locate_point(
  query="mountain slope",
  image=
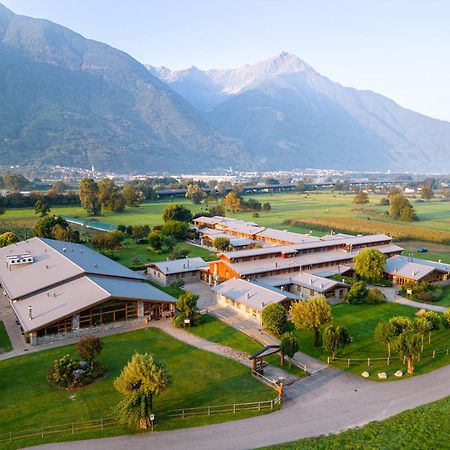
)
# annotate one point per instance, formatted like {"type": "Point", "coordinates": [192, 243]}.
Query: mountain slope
{"type": "Point", "coordinates": [282, 106]}
{"type": "Point", "coordinates": [72, 101]}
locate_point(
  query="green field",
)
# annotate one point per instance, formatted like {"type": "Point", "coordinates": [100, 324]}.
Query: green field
{"type": "Point", "coordinates": [361, 320]}
{"type": "Point", "coordinates": [214, 330]}
{"type": "Point", "coordinates": [423, 428]}
{"type": "Point", "coordinates": [28, 402]}
{"type": "Point", "coordinates": [5, 343]}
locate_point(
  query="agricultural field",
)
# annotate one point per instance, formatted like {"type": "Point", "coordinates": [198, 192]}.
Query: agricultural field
{"type": "Point", "coordinates": [361, 320]}
{"type": "Point", "coordinates": [218, 381]}
{"type": "Point", "coordinates": [422, 428]}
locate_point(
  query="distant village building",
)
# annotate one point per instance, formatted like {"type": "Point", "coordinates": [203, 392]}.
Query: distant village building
{"type": "Point", "coordinates": [58, 289]}
{"type": "Point", "coordinates": [167, 272]}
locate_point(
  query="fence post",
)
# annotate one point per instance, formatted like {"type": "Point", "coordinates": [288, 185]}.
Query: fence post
{"type": "Point", "coordinates": [183, 413]}
{"type": "Point", "coordinates": [209, 410]}
{"type": "Point", "coordinates": [328, 360]}
{"type": "Point", "coordinates": [368, 362]}
{"type": "Point", "coordinates": [271, 404]}
{"type": "Point", "coordinates": [73, 429]}
{"type": "Point", "coordinates": [348, 362]}
{"type": "Point", "coordinates": [388, 360]}
{"type": "Point", "coordinates": [102, 423]}
{"type": "Point", "coordinates": [259, 406]}
{"type": "Point", "coordinates": [10, 436]}
{"type": "Point", "coordinates": [42, 431]}
{"type": "Point", "coordinates": [447, 351]}
{"type": "Point", "coordinates": [234, 408]}
{"type": "Point", "coordinates": [434, 353]}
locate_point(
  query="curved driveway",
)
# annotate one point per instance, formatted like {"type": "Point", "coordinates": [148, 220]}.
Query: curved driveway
{"type": "Point", "coordinates": [327, 402]}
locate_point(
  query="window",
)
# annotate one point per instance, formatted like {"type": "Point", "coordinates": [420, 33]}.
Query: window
{"type": "Point", "coordinates": [110, 311]}
{"type": "Point", "coordinates": [62, 326]}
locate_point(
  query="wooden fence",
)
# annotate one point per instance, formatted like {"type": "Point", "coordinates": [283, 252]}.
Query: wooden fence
{"type": "Point", "coordinates": [109, 422]}
{"type": "Point", "coordinates": [385, 360]}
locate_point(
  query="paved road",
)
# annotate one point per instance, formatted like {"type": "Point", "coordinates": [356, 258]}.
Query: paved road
{"type": "Point", "coordinates": [327, 402]}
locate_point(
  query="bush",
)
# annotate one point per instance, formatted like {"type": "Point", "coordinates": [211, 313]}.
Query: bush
{"type": "Point", "coordinates": [357, 294]}
{"type": "Point", "coordinates": [61, 372]}
{"type": "Point", "coordinates": [375, 296]}
{"type": "Point", "coordinates": [274, 318]}
{"type": "Point", "coordinates": [425, 296]}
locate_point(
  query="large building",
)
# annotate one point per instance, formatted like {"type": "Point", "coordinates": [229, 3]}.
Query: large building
{"type": "Point", "coordinates": [168, 272]}
{"type": "Point", "coordinates": [61, 288]}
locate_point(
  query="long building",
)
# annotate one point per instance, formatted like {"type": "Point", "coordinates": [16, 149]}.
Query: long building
{"type": "Point", "coordinates": [60, 288]}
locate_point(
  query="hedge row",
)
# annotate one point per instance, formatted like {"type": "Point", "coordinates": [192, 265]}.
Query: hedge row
{"type": "Point", "coordinates": [364, 226]}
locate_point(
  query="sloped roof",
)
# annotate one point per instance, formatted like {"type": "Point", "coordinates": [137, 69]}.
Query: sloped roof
{"type": "Point", "coordinates": [413, 268]}
{"type": "Point", "coordinates": [179, 265]}
{"type": "Point", "coordinates": [250, 294]}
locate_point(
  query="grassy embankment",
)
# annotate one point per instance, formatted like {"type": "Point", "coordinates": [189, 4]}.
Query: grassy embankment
{"type": "Point", "coordinates": [28, 402]}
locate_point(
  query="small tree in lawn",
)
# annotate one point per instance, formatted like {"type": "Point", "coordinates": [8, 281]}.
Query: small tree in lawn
{"type": "Point", "coordinates": [187, 310]}
{"type": "Point", "coordinates": [312, 315]}
{"type": "Point", "coordinates": [41, 208]}
{"type": "Point", "coordinates": [288, 347]}
{"type": "Point", "coordinates": [221, 243]}
{"type": "Point", "coordinates": [422, 325]}
{"type": "Point", "coordinates": [446, 318]}
{"type": "Point", "coordinates": [361, 198]}
{"type": "Point", "coordinates": [89, 347]}
{"type": "Point", "coordinates": [385, 333]}
{"type": "Point", "coordinates": [435, 322]}
{"type": "Point", "coordinates": [335, 338]}
{"type": "Point", "coordinates": [408, 346]}
{"type": "Point", "coordinates": [274, 318]}
{"type": "Point", "coordinates": [370, 264]}
{"type": "Point", "coordinates": [140, 380]}
{"type": "Point", "coordinates": [400, 324]}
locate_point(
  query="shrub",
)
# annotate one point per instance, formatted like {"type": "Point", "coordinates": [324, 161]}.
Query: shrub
{"type": "Point", "coordinates": [357, 294]}
{"type": "Point", "coordinates": [425, 296]}
{"type": "Point", "coordinates": [61, 372]}
{"type": "Point", "coordinates": [187, 309]}
{"type": "Point", "coordinates": [375, 296]}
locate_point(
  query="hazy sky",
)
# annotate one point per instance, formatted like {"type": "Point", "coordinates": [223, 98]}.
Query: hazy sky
{"type": "Point", "coordinates": [398, 48]}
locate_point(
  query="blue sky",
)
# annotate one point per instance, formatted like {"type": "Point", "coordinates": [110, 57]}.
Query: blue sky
{"type": "Point", "coordinates": [398, 48]}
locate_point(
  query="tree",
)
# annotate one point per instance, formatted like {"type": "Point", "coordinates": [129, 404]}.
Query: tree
{"type": "Point", "coordinates": [177, 213]}
{"type": "Point", "coordinates": [89, 347]}
{"type": "Point", "coordinates": [187, 310]}
{"type": "Point", "coordinates": [288, 346]}
{"type": "Point", "coordinates": [401, 209]}
{"type": "Point", "coordinates": [435, 322]}
{"type": "Point", "coordinates": [266, 207]}
{"type": "Point", "coordinates": [62, 233]}
{"type": "Point", "coordinates": [426, 192]}
{"type": "Point", "coordinates": [140, 232]}
{"type": "Point", "coordinates": [385, 333]}
{"type": "Point", "coordinates": [59, 187]}
{"type": "Point", "coordinates": [370, 264]}
{"type": "Point", "coordinates": [195, 193]}
{"type": "Point", "coordinates": [408, 346]}
{"type": "Point", "coordinates": [361, 198]}
{"type": "Point", "coordinates": [375, 296]}
{"type": "Point", "coordinates": [132, 195]}
{"type": "Point", "coordinates": [155, 239]}
{"type": "Point", "coordinates": [221, 243]}
{"type": "Point", "coordinates": [335, 338]}
{"type": "Point", "coordinates": [422, 326]}
{"type": "Point", "coordinates": [107, 241]}
{"type": "Point", "coordinates": [109, 196]}
{"type": "Point", "coordinates": [45, 226]}
{"type": "Point", "coordinates": [274, 318]}
{"type": "Point", "coordinates": [217, 210]}
{"type": "Point", "coordinates": [89, 196]}
{"type": "Point", "coordinates": [446, 318]}
{"type": "Point", "coordinates": [8, 238]}
{"type": "Point", "coordinates": [41, 208]}
{"type": "Point", "coordinates": [400, 324]}
{"type": "Point", "coordinates": [357, 293]}
{"type": "Point", "coordinates": [311, 315]}
{"type": "Point", "coordinates": [176, 229]}
{"type": "Point", "coordinates": [140, 380]}
{"type": "Point", "coordinates": [232, 201]}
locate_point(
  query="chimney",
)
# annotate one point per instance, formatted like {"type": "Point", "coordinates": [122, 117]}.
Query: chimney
{"type": "Point", "coordinates": [247, 295]}
{"type": "Point", "coordinates": [30, 312]}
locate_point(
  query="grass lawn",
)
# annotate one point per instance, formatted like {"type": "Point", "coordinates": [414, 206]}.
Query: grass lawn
{"type": "Point", "coordinates": [422, 428]}
{"type": "Point", "coordinates": [5, 343]}
{"type": "Point", "coordinates": [217, 331]}
{"type": "Point", "coordinates": [28, 402]}
{"type": "Point", "coordinates": [133, 254]}
{"type": "Point", "coordinates": [361, 320]}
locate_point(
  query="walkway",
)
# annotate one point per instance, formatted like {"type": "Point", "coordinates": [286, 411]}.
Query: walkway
{"type": "Point", "coordinates": [393, 297]}
{"type": "Point", "coordinates": [271, 372]}
{"type": "Point", "coordinates": [328, 402]}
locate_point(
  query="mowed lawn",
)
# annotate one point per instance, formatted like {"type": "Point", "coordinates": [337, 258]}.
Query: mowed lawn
{"type": "Point", "coordinates": [28, 402]}
{"type": "Point", "coordinates": [5, 343]}
{"type": "Point", "coordinates": [423, 428]}
{"type": "Point", "coordinates": [361, 320]}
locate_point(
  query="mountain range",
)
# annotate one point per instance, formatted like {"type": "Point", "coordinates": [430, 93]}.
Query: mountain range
{"type": "Point", "coordinates": [72, 101]}
{"type": "Point", "coordinates": [289, 115]}
{"type": "Point", "coordinates": [67, 100]}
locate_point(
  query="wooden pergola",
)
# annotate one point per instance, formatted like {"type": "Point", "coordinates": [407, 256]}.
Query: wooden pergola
{"type": "Point", "coordinates": [257, 358]}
